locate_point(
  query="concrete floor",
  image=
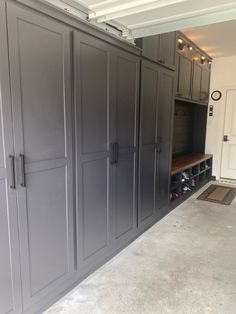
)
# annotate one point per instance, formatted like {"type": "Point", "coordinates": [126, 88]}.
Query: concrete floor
{"type": "Point", "coordinates": [185, 264]}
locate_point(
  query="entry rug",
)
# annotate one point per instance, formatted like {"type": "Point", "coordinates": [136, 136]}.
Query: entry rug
{"type": "Point", "coordinates": [218, 194]}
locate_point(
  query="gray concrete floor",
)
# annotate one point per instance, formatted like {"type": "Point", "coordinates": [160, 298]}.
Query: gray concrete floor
{"type": "Point", "coordinates": [185, 264]}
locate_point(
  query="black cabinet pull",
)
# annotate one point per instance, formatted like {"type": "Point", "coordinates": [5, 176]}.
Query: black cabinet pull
{"type": "Point", "coordinates": [116, 153]}
{"type": "Point", "coordinates": [12, 172]}
{"type": "Point", "coordinates": [22, 167]}
{"type": "Point", "coordinates": [112, 153]}
{"type": "Point", "coordinates": [159, 144]}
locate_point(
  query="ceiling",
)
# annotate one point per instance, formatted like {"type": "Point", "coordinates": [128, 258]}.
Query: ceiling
{"type": "Point", "coordinates": [139, 18]}
{"type": "Point", "coordinates": [217, 40]}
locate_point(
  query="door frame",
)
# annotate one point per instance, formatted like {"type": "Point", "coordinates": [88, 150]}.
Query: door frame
{"type": "Point", "coordinates": [224, 90]}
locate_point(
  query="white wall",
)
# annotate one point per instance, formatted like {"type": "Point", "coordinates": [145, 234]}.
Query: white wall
{"type": "Point", "coordinates": [223, 76]}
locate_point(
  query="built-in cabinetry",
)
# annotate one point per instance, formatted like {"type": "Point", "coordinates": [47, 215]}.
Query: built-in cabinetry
{"type": "Point", "coordinates": [106, 104]}
{"type": "Point", "coordinates": [72, 130]}
{"type": "Point", "coordinates": [10, 281]}
{"type": "Point", "coordinates": [193, 72]}
{"type": "Point", "coordinates": [159, 48]}
{"type": "Point", "coordinates": [68, 186]}
{"type": "Point", "coordinates": [42, 174]}
{"type": "Point", "coordinates": [188, 174]}
{"type": "Point", "coordinates": [157, 88]}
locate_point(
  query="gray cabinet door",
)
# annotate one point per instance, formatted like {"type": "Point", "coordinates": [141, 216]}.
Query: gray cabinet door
{"type": "Point", "coordinates": [184, 77]}
{"type": "Point", "coordinates": [167, 49]}
{"type": "Point", "coordinates": [196, 87]}
{"type": "Point", "coordinates": [92, 136]}
{"type": "Point", "coordinates": [41, 99]}
{"type": "Point", "coordinates": [151, 47]}
{"type": "Point", "coordinates": [148, 137]}
{"type": "Point", "coordinates": [124, 106]}
{"type": "Point", "coordinates": [205, 83]}
{"type": "Point", "coordinates": [165, 122]}
{"type": "Point", "coordinates": [10, 284]}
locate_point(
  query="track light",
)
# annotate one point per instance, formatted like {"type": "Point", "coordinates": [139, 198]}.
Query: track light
{"type": "Point", "coordinates": [181, 44]}
{"type": "Point", "coordinates": [203, 59]}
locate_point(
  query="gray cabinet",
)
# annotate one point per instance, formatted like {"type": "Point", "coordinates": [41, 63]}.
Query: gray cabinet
{"type": "Point", "coordinates": [168, 49]}
{"type": "Point", "coordinates": [151, 46]}
{"type": "Point", "coordinates": [106, 98]}
{"type": "Point", "coordinates": [160, 48]}
{"type": "Point", "coordinates": [93, 137]}
{"type": "Point", "coordinates": [164, 126]}
{"type": "Point", "coordinates": [205, 84]}
{"type": "Point", "coordinates": [196, 86]}
{"type": "Point", "coordinates": [157, 96]}
{"type": "Point", "coordinates": [39, 52]}
{"type": "Point", "coordinates": [10, 284]}
{"type": "Point", "coordinates": [148, 139]}
{"type": "Point", "coordinates": [184, 77]}
{"type": "Point", "coordinates": [124, 93]}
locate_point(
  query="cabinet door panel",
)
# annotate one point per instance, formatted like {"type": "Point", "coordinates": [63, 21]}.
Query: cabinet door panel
{"type": "Point", "coordinates": [165, 111]}
{"type": "Point", "coordinates": [147, 185]}
{"type": "Point", "coordinates": [167, 48]}
{"type": "Point", "coordinates": [151, 46]}
{"type": "Point", "coordinates": [125, 104]}
{"type": "Point", "coordinates": [10, 281]}
{"type": "Point", "coordinates": [95, 207]}
{"type": "Point", "coordinates": [125, 196]}
{"type": "Point", "coordinates": [196, 89]}
{"type": "Point", "coordinates": [148, 132]}
{"type": "Point", "coordinates": [205, 86]}
{"type": "Point", "coordinates": [184, 79]}
{"type": "Point", "coordinates": [92, 108]}
{"type": "Point", "coordinates": [40, 78]}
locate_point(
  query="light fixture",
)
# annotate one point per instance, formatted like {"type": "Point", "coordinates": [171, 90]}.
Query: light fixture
{"type": "Point", "coordinates": [190, 47]}
{"type": "Point", "coordinates": [181, 44]}
{"type": "Point", "coordinates": [203, 59]}
{"type": "Point", "coordinates": [209, 62]}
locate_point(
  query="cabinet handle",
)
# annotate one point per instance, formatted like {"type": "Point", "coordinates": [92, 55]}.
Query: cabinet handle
{"type": "Point", "coordinates": [116, 153]}
{"type": "Point", "coordinates": [22, 167]}
{"type": "Point", "coordinates": [13, 173]}
{"type": "Point", "coordinates": [159, 145]}
{"type": "Point", "coordinates": [112, 153]}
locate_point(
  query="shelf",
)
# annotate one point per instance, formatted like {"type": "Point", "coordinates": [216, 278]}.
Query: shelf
{"type": "Point", "coordinates": [191, 164]}
{"type": "Point", "coordinates": [188, 100]}
{"type": "Point", "coordinates": [184, 162]}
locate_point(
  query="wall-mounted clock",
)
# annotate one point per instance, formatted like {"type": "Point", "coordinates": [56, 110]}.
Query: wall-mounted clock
{"type": "Point", "coordinates": [216, 95]}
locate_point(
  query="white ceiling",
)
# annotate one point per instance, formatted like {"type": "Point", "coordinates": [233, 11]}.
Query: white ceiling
{"type": "Point", "coordinates": [139, 18]}
{"type": "Point", "coordinates": [217, 39]}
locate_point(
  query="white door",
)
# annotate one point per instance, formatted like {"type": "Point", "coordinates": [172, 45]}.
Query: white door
{"type": "Point", "coordinates": [228, 166]}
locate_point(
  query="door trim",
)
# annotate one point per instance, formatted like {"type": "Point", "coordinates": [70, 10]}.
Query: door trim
{"type": "Point", "coordinates": [224, 90]}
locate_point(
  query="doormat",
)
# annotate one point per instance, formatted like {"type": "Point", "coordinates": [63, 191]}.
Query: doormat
{"type": "Point", "coordinates": [218, 194]}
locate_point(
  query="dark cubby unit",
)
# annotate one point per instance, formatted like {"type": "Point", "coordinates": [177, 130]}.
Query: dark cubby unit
{"type": "Point", "coordinates": [195, 170]}
{"type": "Point", "coordinates": [202, 176]}
{"type": "Point", "coordinates": [189, 128]}
{"type": "Point", "coordinates": [203, 166]}
{"type": "Point", "coordinates": [189, 173]}
{"type": "Point", "coordinates": [208, 173]}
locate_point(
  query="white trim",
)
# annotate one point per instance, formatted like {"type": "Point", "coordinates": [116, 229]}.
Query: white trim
{"type": "Point", "coordinates": [130, 8]}
{"type": "Point", "coordinates": [201, 17]}
{"type": "Point", "coordinates": [225, 90]}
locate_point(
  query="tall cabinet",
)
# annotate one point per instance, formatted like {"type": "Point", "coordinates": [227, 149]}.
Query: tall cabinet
{"type": "Point", "coordinates": [10, 283]}
{"type": "Point", "coordinates": [157, 91]}
{"type": "Point", "coordinates": [40, 71]}
{"type": "Point", "coordinates": [106, 108]}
